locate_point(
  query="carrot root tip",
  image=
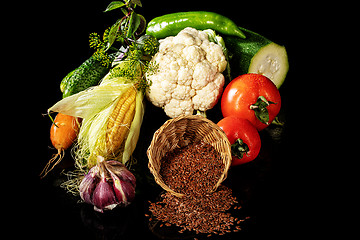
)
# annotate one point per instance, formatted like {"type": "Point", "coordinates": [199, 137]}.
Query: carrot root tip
{"type": "Point", "coordinates": [56, 159]}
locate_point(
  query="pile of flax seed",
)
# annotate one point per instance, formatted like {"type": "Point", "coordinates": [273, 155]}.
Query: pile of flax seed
{"type": "Point", "coordinates": [194, 170]}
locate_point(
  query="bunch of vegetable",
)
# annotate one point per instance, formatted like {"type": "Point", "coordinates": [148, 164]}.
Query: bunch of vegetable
{"type": "Point", "coordinates": [180, 64]}
{"type": "Point", "coordinates": [107, 93]}
{"type": "Point", "coordinates": [250, 102]}
{"type": "Point", "coordinates": [111, 113]}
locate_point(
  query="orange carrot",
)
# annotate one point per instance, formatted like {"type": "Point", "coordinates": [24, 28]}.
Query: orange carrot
{"type": "Point", "coordinates": [63, 133]}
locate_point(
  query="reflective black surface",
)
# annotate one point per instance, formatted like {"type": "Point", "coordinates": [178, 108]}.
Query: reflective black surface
{"type": "Point", "coordinates": [262, 188]}
{"type": "Point", "coordinates": [267, 188]}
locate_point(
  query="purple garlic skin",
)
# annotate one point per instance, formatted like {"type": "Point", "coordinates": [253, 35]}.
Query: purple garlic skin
{"type": "Point", "coordinates": [124, 190]}
{"type": "Point", "coordinates": [108, 185]}
{"type": "Point", "coordinates": [88, 184]}
{"type": "Point", "coordinates": [103, 196]}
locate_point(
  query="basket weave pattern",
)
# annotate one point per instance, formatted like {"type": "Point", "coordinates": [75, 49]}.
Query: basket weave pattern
{"type": "Point", "coordinates": [180, 132]}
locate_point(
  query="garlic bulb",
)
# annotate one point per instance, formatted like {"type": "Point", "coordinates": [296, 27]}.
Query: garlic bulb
{"type": "Point", "coordinates": [107, 185]}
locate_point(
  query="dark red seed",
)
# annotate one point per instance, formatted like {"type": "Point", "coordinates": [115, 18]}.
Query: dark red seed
{"type": "Point", "coordinates": [194, 170]}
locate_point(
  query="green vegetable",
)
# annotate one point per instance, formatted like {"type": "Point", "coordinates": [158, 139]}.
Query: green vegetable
{"type": "Point", "coordinates": [124, 32]}
{"type": "Point", "coordinates": [172, 24]}
{"type": "Point", "coordinates": [65, 81]}
{"type": "Point", "coordinates": [88, 74]}
{"type": "Point", "coordinates": [257, 54]}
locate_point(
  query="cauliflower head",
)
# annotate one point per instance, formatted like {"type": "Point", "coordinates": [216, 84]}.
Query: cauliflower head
{"type": "Point", "coordinates": [189, 75]}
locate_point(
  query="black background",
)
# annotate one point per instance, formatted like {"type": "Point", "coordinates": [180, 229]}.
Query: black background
{"type": "Point", "coordinates": [272, 189]}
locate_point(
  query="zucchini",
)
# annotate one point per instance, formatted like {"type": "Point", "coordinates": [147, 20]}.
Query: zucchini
{"type": "Point", "coordinates": [88, 74]}
{"type": "Point", "coordinates": [257, 54]}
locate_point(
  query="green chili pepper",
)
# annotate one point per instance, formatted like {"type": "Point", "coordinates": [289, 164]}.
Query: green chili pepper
{"type": "Point", "coordinates": [172, 24]}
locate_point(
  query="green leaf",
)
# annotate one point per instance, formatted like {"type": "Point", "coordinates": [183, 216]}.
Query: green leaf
{"type": "Point", "coordinates": [112, 34]}
{"type": "Point", "coordinates": [134, 23]}
{"type": "Point", "coordinates": [114, 5]}
{"type": "Point", "coordinates": [137, 2]}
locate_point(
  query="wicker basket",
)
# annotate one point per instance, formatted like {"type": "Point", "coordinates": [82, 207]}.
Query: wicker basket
{"type": "Point", "coordinates": [181, 131]}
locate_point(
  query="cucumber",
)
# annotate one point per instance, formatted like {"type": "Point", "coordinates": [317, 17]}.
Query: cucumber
{"type": "Point", "coordinates": [257, 54]}
{"type": "Point", "coordinates": [65, 80]}
{"type": "Point", "coordinates": [88, 74]}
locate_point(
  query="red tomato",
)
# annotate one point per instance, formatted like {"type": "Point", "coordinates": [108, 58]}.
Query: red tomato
{"type": "Point", "coordinates": [244, 138]}
{"type": "Point", "coordinates": [253, 97]}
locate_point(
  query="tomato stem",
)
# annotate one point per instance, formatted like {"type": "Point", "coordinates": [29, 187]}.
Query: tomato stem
{"type": "Point", "coordinates": [239, 148]}
{"type": "Point", "coordinates": [260, 109]}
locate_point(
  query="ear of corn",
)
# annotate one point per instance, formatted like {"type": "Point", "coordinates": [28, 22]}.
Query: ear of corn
{"type": "Point", "coordinates": [104, 134]}
{"type": "Point", "coordinates": [120, 120]}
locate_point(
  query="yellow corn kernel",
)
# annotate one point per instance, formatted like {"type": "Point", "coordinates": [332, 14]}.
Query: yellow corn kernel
{"type": "Point", "coordinates": [117, 108]}
{"type": "Point", "coordinates": [120, 121]}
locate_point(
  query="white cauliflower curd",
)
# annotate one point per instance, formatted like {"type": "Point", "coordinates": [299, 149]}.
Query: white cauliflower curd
{"type": "Point", "coordinates": [189, 73]}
